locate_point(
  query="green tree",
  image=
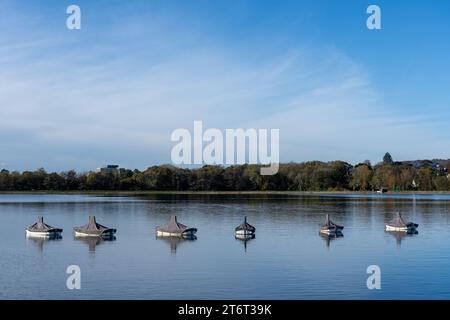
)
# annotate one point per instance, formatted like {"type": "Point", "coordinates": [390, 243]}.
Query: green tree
{"type": "Point", "coordinates": [387, 159]}
{"type": "Point", "coordinates": [383, 177]}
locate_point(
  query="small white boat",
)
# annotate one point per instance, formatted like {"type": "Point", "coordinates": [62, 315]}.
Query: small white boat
{"type": "Point", "coordinates": [40, 229]}
{"type": "Point", "coordinates": [175, 229]}
{"type": "Point", "coordinates": [398, 224]}
{"type": "Point", "coordinates": [245, 229]}
{"type": "Point", "coordinates": [93, 229]}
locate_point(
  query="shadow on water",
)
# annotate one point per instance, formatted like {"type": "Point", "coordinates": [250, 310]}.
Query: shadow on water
{"type": "Point", "coordinates": [40, 241]}
{"type": "Point", "coordinates": [93, 242]}
{"type": "Point", "coordinates": [400, 235]}
{"type": "Point", "coordinates": [330, 237]}
{"type": "Point", "coordinates": [175, 242]}
{"type": "Point", "coordinates": [244, 239]}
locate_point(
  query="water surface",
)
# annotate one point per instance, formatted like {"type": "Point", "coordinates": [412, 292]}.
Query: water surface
{"type": "Point", "coordinates": [288, 259]}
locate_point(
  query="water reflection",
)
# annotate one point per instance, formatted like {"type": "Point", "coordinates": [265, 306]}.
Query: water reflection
{"type": "Point", "coordinates": [174, 242]}
{"type": "Point", "coordinates": [330, 237]}
{"type": "Point", "coordinates": [400, 235]}
{"type": "Point", "coordinates": [93, 242]}
{"type": "Point", "coordinates": [244, 238]}
{"type": "Point", "coordinates": [39, 241]}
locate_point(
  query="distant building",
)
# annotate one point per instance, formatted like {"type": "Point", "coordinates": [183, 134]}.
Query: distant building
{"type": "Point", "coordinates": [110, 168]}
{"type": "Point", "coordinates": [382, 190]}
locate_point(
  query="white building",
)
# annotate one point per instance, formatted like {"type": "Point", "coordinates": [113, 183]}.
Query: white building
{"type": "Point", "coordinates": [109, 168]}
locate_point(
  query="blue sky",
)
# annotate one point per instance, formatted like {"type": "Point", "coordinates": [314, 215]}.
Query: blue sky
{"type": "Point", "coordinates": [114, 91]}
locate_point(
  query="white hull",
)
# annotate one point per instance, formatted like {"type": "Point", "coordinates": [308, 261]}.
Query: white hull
{"type": "Point", "coordinates": [169, 234]}
{"type": "Point", "coordinates": [403, 229]}
{"type": "Point", "coordinates": [331, 231]}
{"type": "Point", "coordinates": [243, 233]}
{"type": "Point", "coordinates": [245, 237]}
{"type": "Point", "coordinates": [82, 234]}
{"type": "Point", "coordinates": [41, 234]}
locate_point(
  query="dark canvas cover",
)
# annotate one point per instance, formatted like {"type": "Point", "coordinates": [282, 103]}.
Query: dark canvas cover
{"type": "Point", "coordinates": [174, 227]}
{"type": "Point", "coordinates": [94, 228]}
{"type": "Point", "coordinates": [245, 226]}
{"type": "Point", "coordinates": [40, 226]}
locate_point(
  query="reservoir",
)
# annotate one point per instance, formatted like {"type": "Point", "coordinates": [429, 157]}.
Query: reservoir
{"type": "Point", "coordinates": [287, 259]}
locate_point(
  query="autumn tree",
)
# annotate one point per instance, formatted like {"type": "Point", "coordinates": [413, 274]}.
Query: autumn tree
{"type": "Point", "coordinates": [361, 177]}
{"type": "Point", "coordinates": [442, 183]}
{"type": "Point", "coordinates": [425, 179]}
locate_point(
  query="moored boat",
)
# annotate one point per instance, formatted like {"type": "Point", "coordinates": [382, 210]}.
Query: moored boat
{"type": "Point", "coordinates": [329, 227]}
{"type": "Point", "coordinates": [399, 224]}
{"type": "Point", "coordinates": [93, 229]}
{"type": "Point", "coordinates": [175, 229]}
{"type": "Point", "coordinates": [245, 229]}
{"type": "Point", "coordinates": [40, 229]}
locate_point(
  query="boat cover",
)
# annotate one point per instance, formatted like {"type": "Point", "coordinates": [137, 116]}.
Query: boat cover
{"type": "Point", "coordinates": [94, 228]}
{"type": "Point", "coordinates": [399, 222]}
{"type": "Point", "coordinates": [245, 226]}
{"type": "Point", "coordinates": [175, 227]}
{"type": "Point", "coordinates": [40, 226]}
{"type": "Point", "coordinates": [330, 224]}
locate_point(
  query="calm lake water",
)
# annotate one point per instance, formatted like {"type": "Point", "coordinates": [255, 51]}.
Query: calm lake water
{"type": "Point", "coordinates": [288, 259]}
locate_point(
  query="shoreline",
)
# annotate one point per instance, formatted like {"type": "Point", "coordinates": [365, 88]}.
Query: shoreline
{"type": "Point", "coordinates": [111, 192]}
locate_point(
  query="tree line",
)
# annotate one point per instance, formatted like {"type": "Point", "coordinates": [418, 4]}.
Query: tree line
{"type": "Point", "coordinates": [306, 176]}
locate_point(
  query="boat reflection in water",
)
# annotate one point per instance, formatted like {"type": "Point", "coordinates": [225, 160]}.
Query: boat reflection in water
{"type": "Point", "coordinates": [244, 238]}
{"type": "Point", "coordinates": [93, 242]}
{"type": "Point", "coordinates": [330, 237]}
{"type": "Point", "coordinates": [400, 235]}
{"type": "Point", "coordinates": [174, 241]}
{"type": "Point", "coordinates": [39, 241]}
